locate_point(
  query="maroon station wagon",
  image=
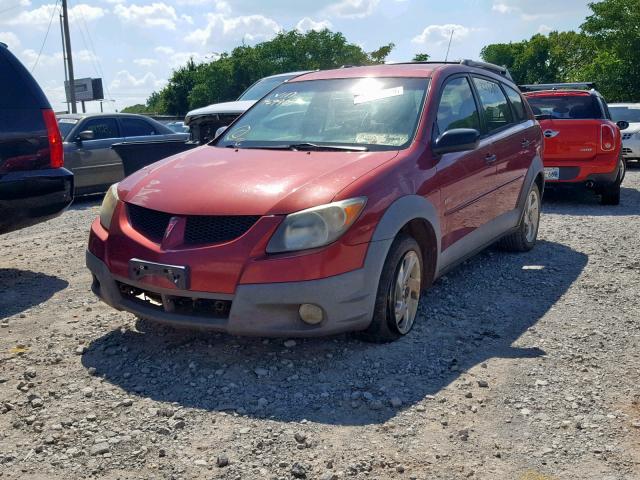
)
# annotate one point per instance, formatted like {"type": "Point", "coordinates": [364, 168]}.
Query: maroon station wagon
{"type": "Point", "coordinates": [328, 206]}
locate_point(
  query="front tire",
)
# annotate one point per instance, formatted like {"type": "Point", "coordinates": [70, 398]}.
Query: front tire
{"type": "Point", "coordinates": [398, 292]}
{"type": "Point", "coordinates": [524, 238]}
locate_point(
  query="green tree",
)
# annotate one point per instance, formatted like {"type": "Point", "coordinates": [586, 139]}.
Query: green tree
{"type": "Point", "coordinates": [195, 85]}
{"type": "Point", "coordinates": [421, 57]}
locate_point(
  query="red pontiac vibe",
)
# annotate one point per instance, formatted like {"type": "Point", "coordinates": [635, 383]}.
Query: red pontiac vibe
{"type": "Point", "coordinates": [583, 146]}
{"type": "Point", "coordinates": [328, 206]}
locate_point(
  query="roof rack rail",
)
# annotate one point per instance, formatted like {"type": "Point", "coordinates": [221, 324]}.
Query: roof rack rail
{"type": "Point", "coordinates": [504, 71]}
{"type": "Point", "coordinates": [558, 86]}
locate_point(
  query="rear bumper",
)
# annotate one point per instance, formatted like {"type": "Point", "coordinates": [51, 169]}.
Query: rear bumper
{"type": "Point", "coordinates": [30, 197]}
{"type": "Point", "coordinates": [268, 309]}
{"type": "Point", "coordinates": [598, 172]}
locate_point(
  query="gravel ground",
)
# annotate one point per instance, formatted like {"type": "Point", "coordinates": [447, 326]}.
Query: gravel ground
{"type": "Point", "coordinates": [520, 367]}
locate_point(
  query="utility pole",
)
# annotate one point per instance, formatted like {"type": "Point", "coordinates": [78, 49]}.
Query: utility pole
{"type": "Point", "coordinates": [64, 58]}
{"type": "Point", "coordinates": [67, 44]}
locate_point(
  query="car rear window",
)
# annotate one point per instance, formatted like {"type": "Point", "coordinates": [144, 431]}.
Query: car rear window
{"type": "Point", "coordinates": [18, 89]}
{"type": "Point", "coordinates": [566, 107]}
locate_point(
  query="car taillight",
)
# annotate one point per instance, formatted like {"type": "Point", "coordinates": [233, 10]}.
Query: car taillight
{"type": "Point", "coordinates": [56, 151]}
{"type": "Point", "coordinates": [607, 138]}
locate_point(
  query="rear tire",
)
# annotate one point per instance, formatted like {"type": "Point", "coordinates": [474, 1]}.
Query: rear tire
{"type": "Point", "coordinates": [611, 194]}
{"type": "Point", "coordinates": [524, 238]}
{"type": "Point", "coordinates": [398, 292]}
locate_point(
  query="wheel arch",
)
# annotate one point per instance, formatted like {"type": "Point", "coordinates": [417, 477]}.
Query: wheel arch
{"type": "Point", "coordinates": [417, 217]}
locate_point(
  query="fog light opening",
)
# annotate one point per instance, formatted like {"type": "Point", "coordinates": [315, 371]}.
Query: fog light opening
{"type": "Point", "coordinates": [311, 314]}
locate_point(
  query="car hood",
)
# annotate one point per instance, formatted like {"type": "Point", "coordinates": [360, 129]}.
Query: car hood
{"type": "Point", "coordinates": [633, 128]}
{"type": "Point", "coordinates": [237, 107]}
{"type": "Point", "coordinates": [224, 181]}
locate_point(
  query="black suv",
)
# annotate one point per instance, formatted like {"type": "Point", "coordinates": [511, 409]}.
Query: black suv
{"type": "Point", "coordinates": [34, 186]}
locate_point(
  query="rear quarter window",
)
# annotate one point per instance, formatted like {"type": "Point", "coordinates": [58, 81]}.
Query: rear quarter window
{"type": "Point", "coordinates": [18, 89]}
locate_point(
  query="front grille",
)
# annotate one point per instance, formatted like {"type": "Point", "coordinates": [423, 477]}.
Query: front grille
{"type": "Point", "coordinates": [151, 223]}
{"type": "Point", "coordinates": [627, 150]}
{"type": "Point", "coordinates": [203, 229]}
{"type": "Point", "coordinates": [200, 229]}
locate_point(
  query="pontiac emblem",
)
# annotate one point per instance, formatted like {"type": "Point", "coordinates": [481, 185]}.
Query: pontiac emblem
{"type": "Point", "coordinates": [172, 224]}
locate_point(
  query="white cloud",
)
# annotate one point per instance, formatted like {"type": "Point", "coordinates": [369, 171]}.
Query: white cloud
{"type": "Point", "coordinates": [29, 56]}
{"type": "Point", "coordinates": [307, 24]}
{"type": "Point", "coordinates": [222, 30]}
{"type": "Point", "coordinates": [10, 39]}
{"type": "Point", "coordinates": [178, 59]}
{"type": "Point", "coordinates": [156, 14]}
{"type": "Point", "coordinates": [502, 8]}
{"type": "Point", "coordinates": [125, 81]}
{"type": "Point", "coordinates": [40, 17]}
{"type": "Point", "coordinates": [440, 34]}
{"type": "Point", "coordinates": [545, 29]}
{"type": "Point", "coordinates": [353, 8]}
{"type": "Point", "coordinates": [145, 62]}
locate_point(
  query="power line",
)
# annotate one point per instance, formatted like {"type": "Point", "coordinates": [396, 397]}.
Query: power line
{"type": "Point", "coordinates": [53, 11]}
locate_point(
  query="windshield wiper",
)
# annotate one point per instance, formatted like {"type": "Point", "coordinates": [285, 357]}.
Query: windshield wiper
{"type": "Point", "coordinates": [305, 147]}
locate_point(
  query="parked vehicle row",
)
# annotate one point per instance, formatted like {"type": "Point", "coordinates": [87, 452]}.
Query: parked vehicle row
{"type": "Point", "coordinates": [328, 206]}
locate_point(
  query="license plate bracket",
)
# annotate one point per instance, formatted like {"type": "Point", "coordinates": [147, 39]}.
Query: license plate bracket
{"type": "Point", "coordinates": [178, 275]}
{"type": "Point", "coordinates": [552, 173]}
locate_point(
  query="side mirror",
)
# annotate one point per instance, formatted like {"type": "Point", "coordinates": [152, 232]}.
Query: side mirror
{"type": "Point", "coordinates": [85, 135]}
{"type": "Point", "coordinates": [220, 131]}
{"type": "Point", "coordinates": [622, 124]}
{"type": "Point", "coordinates": [456, 140]}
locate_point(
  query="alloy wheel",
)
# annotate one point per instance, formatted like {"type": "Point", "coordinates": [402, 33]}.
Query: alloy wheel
{"type": "Point", "coordinates": [406, 291]}
{"type": "Point", "coordinates": [532, 216]}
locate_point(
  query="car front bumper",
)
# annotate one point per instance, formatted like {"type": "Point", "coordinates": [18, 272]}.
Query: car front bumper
{"type": "Point", "coordinates": [631, 147]}
{"type": "Point", "coordinates": [33, 196]}
{"type": "Point", "coordinates": [266, 309]}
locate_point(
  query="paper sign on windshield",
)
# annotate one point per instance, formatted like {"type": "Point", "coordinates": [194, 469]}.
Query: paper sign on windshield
{"type": "Point", "coordinates": [378, 95]}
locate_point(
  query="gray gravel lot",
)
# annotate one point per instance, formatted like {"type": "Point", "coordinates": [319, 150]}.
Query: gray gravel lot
{"type": "Point", "coordinates": [521, 367]}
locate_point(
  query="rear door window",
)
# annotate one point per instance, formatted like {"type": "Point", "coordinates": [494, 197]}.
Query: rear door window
{"type": "Point", "coordinates": [566, 107]}
{"type": "Point", "coordinates": [136, 127]}
{"type": "Point", "coordinates": [457, 107]}
{"type": "Point", "coordinates": [495, 108]}
{"type": "Point", "coordinates": [102, 127]}
{"type": "Point", "coordinates": [517, 104]}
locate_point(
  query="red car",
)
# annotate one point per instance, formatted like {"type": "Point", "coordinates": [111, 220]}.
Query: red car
{"type": "Point", "coordinates": [583, 146]}
{"type": "Point", "coordinates": [328, 206]}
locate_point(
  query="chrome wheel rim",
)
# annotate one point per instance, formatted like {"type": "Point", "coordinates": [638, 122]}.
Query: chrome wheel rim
{"type": "Point", "coordinates": [623, 170]}
{"type": "Point", "coordinates": [532, 216]}
{"type": "Point", "coordinates": [406, 293]}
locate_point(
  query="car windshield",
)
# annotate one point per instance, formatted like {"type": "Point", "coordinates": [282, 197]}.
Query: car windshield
{"type": "Point", "coordinates": [262, 87]}
{"type": "Point", "coordinates": [629, 114]}
{"type": "Point", "coordinates": [66, 125]}
{"type": "Point", "coordinates": [565, 107]}
{"type": "Point", "coordinates": [356, 113]}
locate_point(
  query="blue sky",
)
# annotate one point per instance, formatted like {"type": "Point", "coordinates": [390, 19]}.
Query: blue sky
{"type": "Point", "coordinates": [135, 44]}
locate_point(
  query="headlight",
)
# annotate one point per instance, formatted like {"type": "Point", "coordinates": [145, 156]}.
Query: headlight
{"type": "Point", "coordinates": [108, 206]}
{"type": "Point", "coordinates": [316, 227]}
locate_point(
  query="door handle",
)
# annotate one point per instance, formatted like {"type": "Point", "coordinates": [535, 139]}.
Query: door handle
{"type": "Point", "coordinates": [490, 158]}
{"type": "Point", "coordinates": [525, 143]}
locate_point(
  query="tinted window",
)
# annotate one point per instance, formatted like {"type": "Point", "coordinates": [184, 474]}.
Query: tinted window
{"type": "Point", "coordinates": [497, 113]}
{"type": "Point", "coordinates": [565, 107]}
{"type": "Point", "coordinates": [262, 87]}
{"type": "Point", "coordinates": [629, 114]}
{"type": "Point", "coordinates": [457, 107]}
{"type": "Point", "coordinates": [66, 125]}
{"type": "Point", "coordinates": [517, 104]}
{"type": "Point", "coordinates": [18, 89]}
{"type": "Point", "coordinates": [136, 127]}
{"type": "Point", "coordinates": [101, 127]}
